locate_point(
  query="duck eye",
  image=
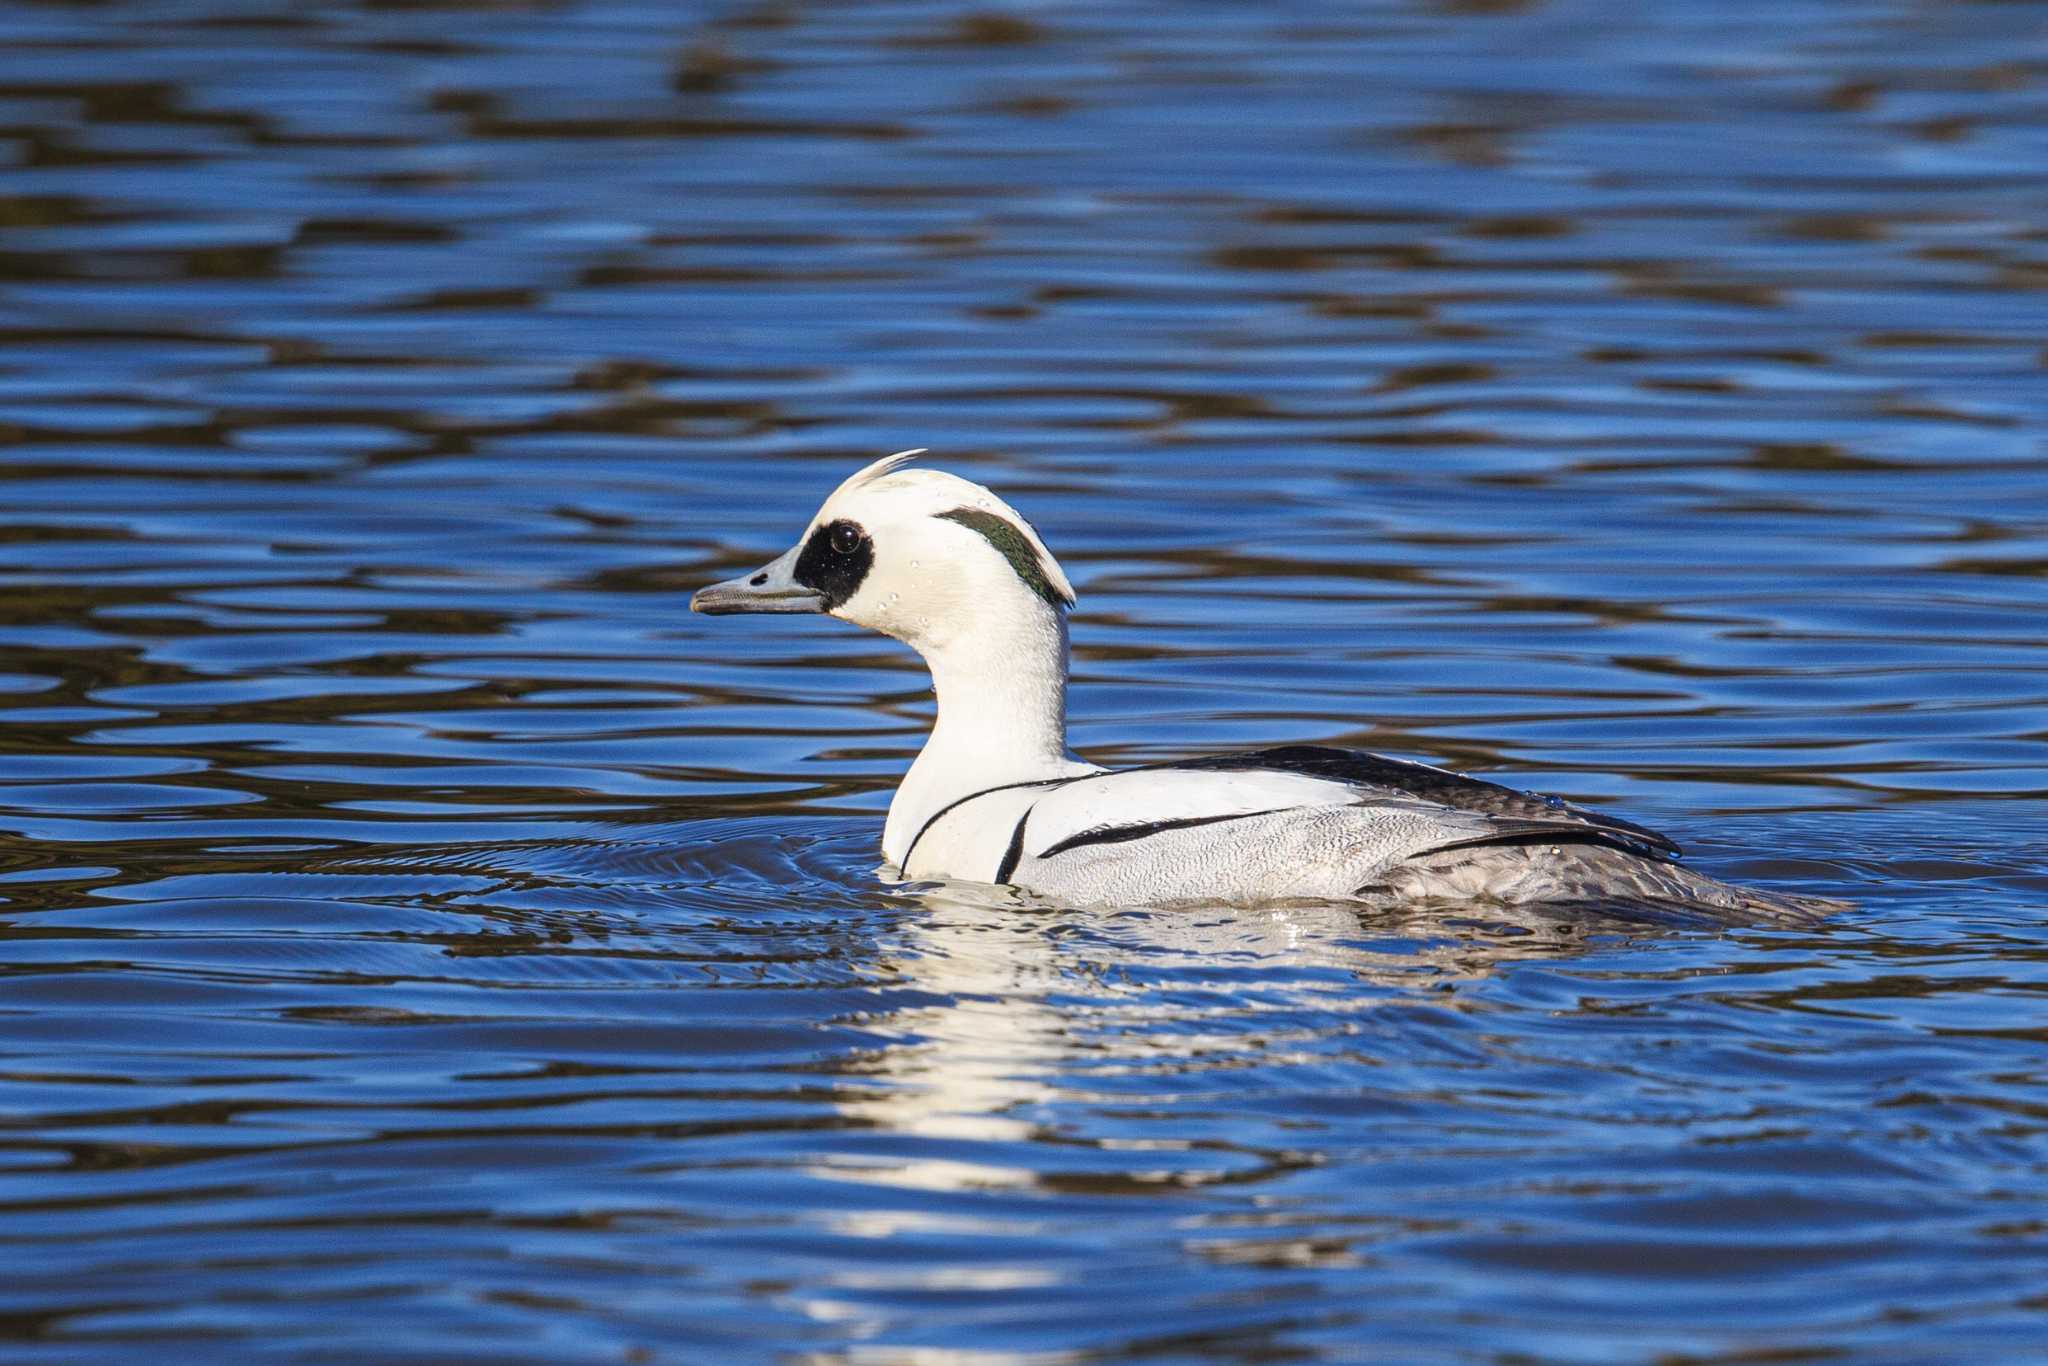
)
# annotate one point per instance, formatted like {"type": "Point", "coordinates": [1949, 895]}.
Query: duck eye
{"type": "Point", "coordinates": [846, 537]}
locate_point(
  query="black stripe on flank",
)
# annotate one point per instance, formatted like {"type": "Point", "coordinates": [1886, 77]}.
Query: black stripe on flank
{"type": "Point", "coordinates": [1532, 832]}
{"type": "Point", "coordinates": [950, 806]}
{"type": "Point", "coordinates": [1014, 546]}
{"type": "Point", "coordinates": [1124, 834]}
{"type": "Point", "coordinates": [1014, 852]}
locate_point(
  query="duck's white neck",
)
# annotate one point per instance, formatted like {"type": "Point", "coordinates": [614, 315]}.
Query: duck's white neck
{"type": "Point", "coordinates": [1002, 690]}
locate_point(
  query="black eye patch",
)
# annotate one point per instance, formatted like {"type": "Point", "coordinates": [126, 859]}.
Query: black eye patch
{"type": "Point", "coordinates": [834, 560]}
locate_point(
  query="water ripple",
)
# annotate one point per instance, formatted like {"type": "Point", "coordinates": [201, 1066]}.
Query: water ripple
{"type": "Point", "coordinates": [423, 938]}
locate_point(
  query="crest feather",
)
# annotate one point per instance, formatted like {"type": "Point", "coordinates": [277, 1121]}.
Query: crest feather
{"type": "Point", "coordinates": [867, 474]}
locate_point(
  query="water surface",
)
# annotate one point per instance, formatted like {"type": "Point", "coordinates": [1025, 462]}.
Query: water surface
{"type": "Point", "coordinates": [423, 939]}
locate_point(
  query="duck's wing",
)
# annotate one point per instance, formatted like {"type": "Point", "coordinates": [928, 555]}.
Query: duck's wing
{"type": "Point", "coordinates": [1410, 808]}
{"type": "Point", "coordinates": [1246, 829]}
{"type": "Point", "coordinates": [1511, 815]}
{"type": "Point", "coordinates": [1267, 814]}
{"type": "Point", "coordinates": [1151, 804]}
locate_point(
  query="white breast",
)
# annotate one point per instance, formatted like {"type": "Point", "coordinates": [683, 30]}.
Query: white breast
{"type": "Point", "coordinates": [969, 840]}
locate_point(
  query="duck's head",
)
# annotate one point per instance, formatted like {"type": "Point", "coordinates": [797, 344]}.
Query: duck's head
{"type": "Point", "coordinates": [921, 555]}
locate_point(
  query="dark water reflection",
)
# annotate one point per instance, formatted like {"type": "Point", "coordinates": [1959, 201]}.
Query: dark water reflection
{"type": "Point", "coordinates": [424, 940]}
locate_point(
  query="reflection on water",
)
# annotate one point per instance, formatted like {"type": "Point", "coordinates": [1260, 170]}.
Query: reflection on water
{"type": "Point", "coordinates": [419, 936]}
{"type": "Point", "coordinates": [1017, 998]}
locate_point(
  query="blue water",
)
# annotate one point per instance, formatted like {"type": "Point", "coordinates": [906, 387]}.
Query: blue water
{"type": "Point", "coordinates": [421, 939]}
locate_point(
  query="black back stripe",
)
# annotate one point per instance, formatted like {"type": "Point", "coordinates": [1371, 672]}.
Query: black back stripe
{"type": "Point", "coordinates": [948, 808]}
{"type": "Point", "coordinates": [1124, 834]}
{"type": "Point", "coordinates": [1360, 769]}
{"type": "Point", "coordinates": [1016, 849]}
{"type": "Point", "coordinates": [1013, 546]}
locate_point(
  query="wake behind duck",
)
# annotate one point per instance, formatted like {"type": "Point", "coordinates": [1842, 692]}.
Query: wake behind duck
{"type": "Point", "coordinates": [995, 796]}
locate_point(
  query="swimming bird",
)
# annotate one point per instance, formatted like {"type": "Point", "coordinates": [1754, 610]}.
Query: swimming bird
{"type": "Point", "coordinates": [995, 796]}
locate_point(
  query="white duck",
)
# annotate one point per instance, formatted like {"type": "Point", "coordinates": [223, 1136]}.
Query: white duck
{"type": "Point", "coordinates": [951, 570]}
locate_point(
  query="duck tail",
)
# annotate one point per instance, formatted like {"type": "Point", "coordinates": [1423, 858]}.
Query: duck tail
{"type": "Point", "coordinates": [1594, 878]}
